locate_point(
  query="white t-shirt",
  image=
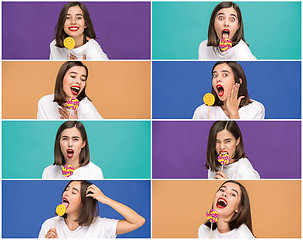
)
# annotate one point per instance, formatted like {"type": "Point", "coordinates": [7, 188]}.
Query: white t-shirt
{"type": "Point", "coordinates": [254, 110]}
{"type": "Point", "coordinates": [241, 232]}
{"type": "Point", "coordinates": [47, 109]}
{"type": "Point", "coordinates": [238, 52]}
{"type": "Point", "coordinates": [91, 49]}
{"type": "Point", "coordinates": [242, 169]}
{"type": "Point", "coordinates": [100, 228]}
{"type": "Point", "coordinates": [88, 172]}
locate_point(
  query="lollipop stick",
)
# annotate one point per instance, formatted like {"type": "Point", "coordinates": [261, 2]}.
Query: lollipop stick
{"type": "Point", "coordinates": [222, 168]}
{"type": "Point", "coordinates": [208, 111]}
{"type": "Point", "coordinates": [69, 55]}
{"type": "Point", "coordinates": [56, 222]}
{"type": "Point", "coordinates": [211, 230]}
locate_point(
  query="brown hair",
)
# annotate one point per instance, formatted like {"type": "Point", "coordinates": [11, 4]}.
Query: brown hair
{"type": "Point", "coordinates": [84, 157]}
{"type": "Point", "coordinates": [238, 74]}
{"type": "Point", "coordinates": [243, 216]}
{"type": "Point", "coordinates": [89, 209]}
{"type": "Point", "coordinates": [211, 155]}
{"type": "Point", "coordinates": [213, 39]}
{"type": "Point", "coordinates": [59, 95]}
{"type": "Point", "coordinates": [60, 35]}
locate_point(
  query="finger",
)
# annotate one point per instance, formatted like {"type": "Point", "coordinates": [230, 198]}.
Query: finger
{"type": "Point", "coordinates": [63, 112]}
{"type": "Point", "coordinates": [240, 99]}
{"type": "Point", "coordinates": [75, 114]}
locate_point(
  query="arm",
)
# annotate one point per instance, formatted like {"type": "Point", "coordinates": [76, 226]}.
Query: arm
{"type": "Point", "coordinates": [132, 219]}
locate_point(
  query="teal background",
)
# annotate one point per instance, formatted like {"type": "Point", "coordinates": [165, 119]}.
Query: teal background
{"type": "Point", "coordinates": [179, 27]}
{"type": "Point", "coordinates": [120, 148]}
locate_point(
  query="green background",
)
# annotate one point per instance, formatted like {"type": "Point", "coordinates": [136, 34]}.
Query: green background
{"type": "Point", "coordinates": [120, 148]}
{"type": "Point", "coordinates": [272, 29]}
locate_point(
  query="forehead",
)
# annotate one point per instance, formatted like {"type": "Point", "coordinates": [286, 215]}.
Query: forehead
{"type": "Point", "coordinates": [77, 69]}
{"type": "Point", "coordinates": [71, 132]}
{"type": "Point", "coordinates": [232, 186]}
{"type": "Point", "coordinates": [75, 10]}
{"type": "Point", "coordinates": [223, 67]}
{"type": "Point", "coordinates": [227, 12]}
{"type": "Point", "coordinates": [224, 134]}
{"type": "Point", "coordinates": [75, 184]}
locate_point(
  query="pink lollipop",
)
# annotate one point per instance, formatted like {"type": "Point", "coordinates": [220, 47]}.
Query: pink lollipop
{"type": "Point", "coordinates": [67, 170]}
{"type": "Point", "coordinates": [225, 44]}
{"type": "Point", "coordinates": [72, 103]}
{"type": "Point", "coordinates": [223, 158]}
{"type": "Point", "coordinates": [212, 215]}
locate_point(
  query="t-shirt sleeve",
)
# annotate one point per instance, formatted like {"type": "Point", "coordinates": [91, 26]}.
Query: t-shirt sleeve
{"type": "Point", "coordinates": [88, 111]}
{"type": "Point", "coordinates": [244, 53]}
{"type": "Point", "coordinates": [201, 112]}
{"type": "Point", "coordinates": [246, 171]}
{"type": "Point", "coordinates": [42, 113]}
{"type": "Point", "coordinates": [105, 227]}
{"type": "Point", "coordinates": [43, 230]}
{"type": "Point", "coordinates": [203, 232]}
{"type": "Point", "coordinates": [52, 48]}
{"type": "Point", "coordinates": [200, 52]}
{"type": "Point", "coordinates": [95, 52]}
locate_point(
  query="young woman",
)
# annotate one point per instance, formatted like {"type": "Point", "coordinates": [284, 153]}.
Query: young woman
{"type": "Point", "coordinates": [71, 148]}
{"type": "Point", "coordinates": [74, 21]}
{"type": "Point", "coordinates": [225, 23]}
{"type": "Point", "coordinates": [70, 83]}
{"type": "Point", "coordinates": [229, 86]}
{"type": "Point", "coordinates": [226, 137]}
{"type": "Point", "coordinates": [81, 218]}
{"type": "Point", "coordinates": [232, 204]}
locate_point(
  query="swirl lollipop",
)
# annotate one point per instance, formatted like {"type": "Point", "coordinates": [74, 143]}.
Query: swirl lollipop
{"type": "Point", "coordinates": [209, 100]}
{"type": "Point", "coordinates": [212, 215]}
{"type": "Point", "coordinates": [67, 170]}
{"type": "Point", "coordinates": [225, 44]}
{"type": "Point", "coordinates": [60, 210]}
{"type": "Point", "coordinates": [223, 158]}
{"type": "Point", "coordinates": [69, 43]}
{"type": "Point", "coordinates": [72, 103]}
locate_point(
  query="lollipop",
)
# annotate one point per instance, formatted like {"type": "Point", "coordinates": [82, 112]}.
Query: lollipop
{"type": "Point", "coordinates": [69, 43]}
{"type": "Point", "coordinates": [209, 100]}
{"type": "Point", "coordinates": [225, 44]}
{"type": "Point", "coordinates": [60, 210]}
{"type": "Point", "coordinates": [72, 103]}
{"type": "Point", "coordinates": [212, 215]}
{"type": "Point", "coordinates": [223, 158]}
{"type": "Point", "coordinates": [67, 170]}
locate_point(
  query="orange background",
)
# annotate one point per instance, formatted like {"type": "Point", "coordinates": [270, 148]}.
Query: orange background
{"type": "Point", "coordinates": [179, 207]}
{"type": "Point", "coordinates": [118, 89]}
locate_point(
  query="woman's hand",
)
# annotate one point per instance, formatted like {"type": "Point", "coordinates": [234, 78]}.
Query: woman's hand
{"type": "Point", "coordinates": [95, 192]}
{"type": "Point", "coordinates": [72, 57]}
{"type": "Point", "coordinates": [220, 175]}
{"type": "Point", "coordinates": [233, 102]}
{"type": "Point", "coordinates": [65, 114]}
{"type": "Point", "coordinates": [52, 233]}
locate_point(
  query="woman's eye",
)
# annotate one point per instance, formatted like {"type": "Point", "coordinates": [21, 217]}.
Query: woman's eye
{"type": "Point", "coordinates": [232, 19]}
{"type": "Point", "coordinates": [225, 74]}
{"type": "Point", "coordinates": [83, 79]}
{"type": "Point", "coordinates": [220, 18]}
{"type": "Point", "coordinates": [79, 18]}
{"type": "Point", "coordinates": [233, 195]}
{"type": "Point", "coordinates": [215, 75]}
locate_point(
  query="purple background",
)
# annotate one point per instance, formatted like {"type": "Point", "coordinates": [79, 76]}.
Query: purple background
{"type": "Point", "coordinates": [179, 148]}
{"type": "Point", "coordinates": [122, 28]}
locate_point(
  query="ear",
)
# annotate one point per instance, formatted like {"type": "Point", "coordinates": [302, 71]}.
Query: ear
{"type": "Point", "coordinates": [240, 79]}
{"type": "Point", "coordinates": [238, 141]}
{"type": "Point", "coordinates": [83, 144]}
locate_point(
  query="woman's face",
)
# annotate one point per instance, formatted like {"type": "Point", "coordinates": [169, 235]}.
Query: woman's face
{"type": "Point", "coordinates": [74, 23]}
{"type": "Point", "coordinates": [71, 197]}
{"type": "Point", "coordinates": [74, 81]}
{"type": "Point", "coordinates": [71, 144]}
{"type": "Point", "coordinates": [226, 23]}
{"type": "Point", "coordinates": [226, 143]}
{"type": "Point", "coordinates": [223, 81]}
{"type": "Point", "coordinates": [227, 200]}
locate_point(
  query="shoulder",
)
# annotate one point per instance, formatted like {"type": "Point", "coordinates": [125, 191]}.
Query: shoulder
{"type": "Point", "coordinates": [49, 222]}
{"type": "Point", "coordinates": [204, 43]}
{"type": "Point", "coordinates": [245, 170]}
{"type": "Point", "coordinates": [254, 110]}
{"type": "Point", "coordinates": [105, 227]}
{"type": "Point", "coordinates": [46, 99]}
{"type": "Point", "coordinates": [243, 51]}
{"type": "Point", "coordinates": [201, 112]}
{"type": "Point", "coordinates": [244, 232]}
{"type": "Point", "coordinates": [52, 44]}
{"type": "Point", "coordinates": [51, 171]}
{"type": "Point", "coordinates": [93, 43]}
{"type": "Point", "coordinates": [96, 172]}
{"type": "Point", "coordinates": [103, 220]}
{"type": "Point", "coordinates": [203, 231]}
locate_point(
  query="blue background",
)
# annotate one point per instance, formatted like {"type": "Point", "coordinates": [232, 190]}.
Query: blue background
{"type": "Point", "coordinates": [178, 87]}
{"type": "Point", "coordinates": [26, 204]}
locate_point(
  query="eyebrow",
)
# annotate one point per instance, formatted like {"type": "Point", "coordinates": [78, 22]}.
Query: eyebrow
{"type": "Point", "coordinates": [78, 14]}
{"type": "Point", "coordinates": [72, 136]}
{"type": "Point", "coordinates": [75, 189]}
{"type": "Point", "coordinates": [234, 15]}
{"type": "Point", "coordinates": [231, 189]}
{"type": "Point", "coordinates": [83, 75]}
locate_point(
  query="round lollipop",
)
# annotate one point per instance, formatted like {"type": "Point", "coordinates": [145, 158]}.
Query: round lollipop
{"type": "Point", "coordinates": [212, 215]}
{"type": "Point", "coordinates": [60, 210]}
{"type": "Point", "coordinates": [69, 43]}
{"type": "Point", "coordinates": [223, 158]}
{"type": "Point", "coordinates": [225, 44]}
{"type": "Point", "coordinates": [209, 100]}
{"type": "Point", "coordinates": [67, 170]}
{"type": "Point", "coordinates": [72, 103]}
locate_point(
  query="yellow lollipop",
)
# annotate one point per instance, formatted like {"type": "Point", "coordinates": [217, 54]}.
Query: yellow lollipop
{"type": "Point", "coordinates": [60, 210]}
{"type": "Point", "coordinates": [209, 99]}
{"type": "Point", "coordinates": [69, 43]}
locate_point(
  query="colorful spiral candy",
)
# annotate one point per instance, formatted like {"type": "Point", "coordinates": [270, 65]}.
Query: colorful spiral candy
{"type": "Point", "coordinates": [212, 215]}
{"type": "Point", "coordinates": [69, 43]}
{"type": "Point", "coordinates": [223, 158]}
{"type": "Point", "coordinates": [225, 44]}
{"type": "Point", "coordinates": [209, 99]}
{"type": "Point", "coordinates": [67, 170]}
{"type": "Point", "coordinates": [60, 210]}
{"type": "Point", "coordinates": [72, 103]}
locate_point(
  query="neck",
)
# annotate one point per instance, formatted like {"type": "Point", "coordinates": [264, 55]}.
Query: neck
{"type": "Point", "coordinates": [74, 162]}
{"type": "Point", "coordinates": [78, 41]}
{"type": "Point", "coordinates": [222, 226]}
{"type": "Point", "coordinates": [70, 221]}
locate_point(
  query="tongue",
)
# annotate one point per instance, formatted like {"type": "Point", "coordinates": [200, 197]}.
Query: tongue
{"type": "Point", "coordinates": [225, 35]}
{"type": "Point", "coordinates": [65, 204]}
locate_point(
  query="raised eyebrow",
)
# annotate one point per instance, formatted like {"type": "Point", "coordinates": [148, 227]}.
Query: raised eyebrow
{"type": "Point", "coordinates": [220, 14]}
{"type": "Point", "coordinates": [233, 15]}
{"type": "Point", "coordinates": [225, 71]}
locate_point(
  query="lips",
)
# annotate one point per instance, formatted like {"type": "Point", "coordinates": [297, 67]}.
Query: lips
{"type": "Point", "coordinates": [75, 90]}
{"type": "Point", "coordinates": [225, 33]}
{"type": "Point", "coordinates": [65, 202]}
{"type": "Point", "coordinates": [70, 153]}
{"type": "Point", "coordinates": [73, 29]}
{"type": "Point", "coordinates": [221, 203]}
{"type": "Point", "coordinates": [220, 90]}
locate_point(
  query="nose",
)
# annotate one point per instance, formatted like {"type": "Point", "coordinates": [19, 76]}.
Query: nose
{"type": "Point", "coordinates": [70, 143]}
{"type": "Point", "coordinates": [224, 194]}
{"type": "Point", "coordinates": [226, 23]}
{"type": "Point", "coordinates": [222, 146]}
{"type": "Point", "coordinates": [73, 19]}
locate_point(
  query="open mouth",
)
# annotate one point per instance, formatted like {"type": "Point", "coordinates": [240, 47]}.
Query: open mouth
{"type": "Point", "coordinates": [225, 34]}
{"type": "Point", "coordinates": [65, 202]}
{"type": "Point", "coordinates": [220, 90]}
{"type": "Point", "coordinates": [73, 29]}
{"type": "Point", "coordinates": [75, 90]}
{"type": "Point", "coordinates": [70, 153]}
{"type": "Point", "coordinates": [221, 203]}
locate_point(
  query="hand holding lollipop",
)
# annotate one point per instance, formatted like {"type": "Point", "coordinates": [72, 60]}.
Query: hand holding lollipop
{"type": "Point", "coordinates": [223, 158]}
{"type": "Point", "coordinates": [212, 215]}
{"type": "Point", "coordinates": [72, 103]}
{"type": "Point", "coordinates": [209, 100]}
{"type": "Point", "coordinates": [69, 43]}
